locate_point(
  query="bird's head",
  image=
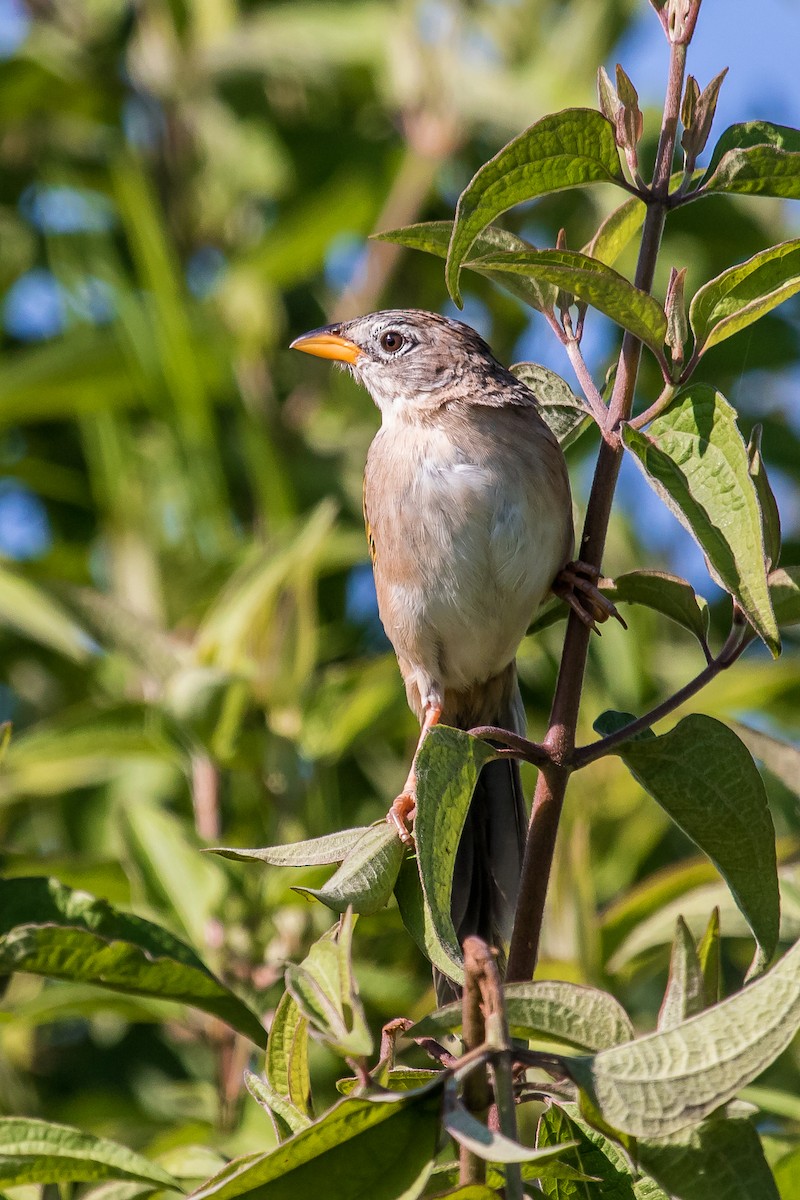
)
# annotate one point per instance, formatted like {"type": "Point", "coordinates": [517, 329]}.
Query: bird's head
{"type": "Point", "coordinates": [406, 359]}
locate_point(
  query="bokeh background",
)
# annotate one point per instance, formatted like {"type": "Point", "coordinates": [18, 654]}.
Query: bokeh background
{"type": "Point", "coordinates": [189, 643]}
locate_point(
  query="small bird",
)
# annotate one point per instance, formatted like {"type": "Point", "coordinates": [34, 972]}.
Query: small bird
{"type": "Point", "coordinates": [469, 522]}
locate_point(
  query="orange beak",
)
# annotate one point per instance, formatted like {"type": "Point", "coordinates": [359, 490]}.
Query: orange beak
{"type": "Point", "coordinates": [324, 343]}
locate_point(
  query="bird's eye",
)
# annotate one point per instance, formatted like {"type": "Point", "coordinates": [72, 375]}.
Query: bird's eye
{"type": "Point", "coordinates": [392, 341]}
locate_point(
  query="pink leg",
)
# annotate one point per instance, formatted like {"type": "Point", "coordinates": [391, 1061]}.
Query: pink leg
{"type": "Point", "coordinates": [404, 807]}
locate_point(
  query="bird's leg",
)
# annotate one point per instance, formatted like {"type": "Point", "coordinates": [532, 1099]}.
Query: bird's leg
{"type": "Point", "coordinates": [577, 584]}
{"type": "Point", "coordinates": [404, 808]}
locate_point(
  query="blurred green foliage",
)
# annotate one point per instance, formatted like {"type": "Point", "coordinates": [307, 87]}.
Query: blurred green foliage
{"type": "Point", "coordinates": [190, 650]}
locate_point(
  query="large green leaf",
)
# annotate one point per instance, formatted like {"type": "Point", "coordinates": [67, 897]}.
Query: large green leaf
{"type": "Point", "coordinates": [563, 150]}
{"type": "Point", "coordinates": [756, 158]}
{"type": "Point", "coordinates": [326, 993]}
{"type": "Point", "coordinates": [365, 880]}
{"type": "Point", "coordinates": [694, 457]}
{"type": "Point", "coordinates": [382, 1148]}
{"type": "Point", "coordinates": [593, 282]}
{"type": "Point", "coordinates": [718, 1158]}
{"type": "Point", "coordinates": [580, 1016]}
{"type": "Point", "coordinates": [434, 237]}
{"type": "Point", "coordinates": [661, 1083]}
{"type": "Point", "coordinates": [566, 416]}
{"type": "Point", "coordinates": [704, 777]}
{"type": "Point", "coordinates": [447, 771]}
{"type": "Point", "coordinates": [667, 594]}
{"type": "Point", "coordinates": [595, 1155]}
{"type": "Point", "coordinates": [419, 922]}
{"type": "Point", "coordinates": [49, 929]}
{"type": "Point", "coordinates": [33, 1151]}
{"type": "Point", "coordinates": [742, 294]}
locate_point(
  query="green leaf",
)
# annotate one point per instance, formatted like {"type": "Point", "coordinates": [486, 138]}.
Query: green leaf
{"type": "Point", "coordinates": [326, 992]}
{"type": "Point", "coordinates": [558, 405]}
{"type": "Point", "coordinates": [616, 231]}
{"type": "Point", "coordinates": [287, 1067]}
{"type": "Point", "coordinates": [365, 880]}
{"type": "Point", "coordinates": [784, 590]}
{"type": "Point", "coordinates": [685, 993]}
{"type": "Point", "coordinates": [563, 150]}
{"type": "Point", "coordinates": [447, 771]}
{"type": "Point", "coordinates": [593, 282]}
{"type": "Point", "coordinates": [332, 848]}
{"type": "Point", "coordinates": [595, 1155]}
{"type": "Point", "coordinates": [770, 517]}
{"type": "Point", "coordinates": [694, 458]}
{"type": "Point", "coordinates": [34, 1151]}
{"type": "Point", "coordinates": [399, 1079]}
{"type": "Point", "coordinates": [419, 922]}
{"type": "Point", "coordinates": [285, 1118]}
{"type": "Point", "coordinates": [434, 237]}
{"type": "Point", "coordinates": [489, 1144]}
{"type": "Point", "coordinates": [708, 956]}
{"type": "Point", "coordinates": [715, 1159]}
{"type": "Point", "coordinates": [744, 293]}
{"type": "Point", "coordinates": [49, 929]}
{"type": "Point", "coordinates": [580, 1016]}
{"type": "Point", "coordinates": [382, 1148]}
{"type": "Point", "coordinates": [667, 594]}
{"type": "Point", "coordinates": [756, 158]}
{"type": "Point", "coordinates": [704, 778]}
{"type": "Point", "coordinates": [661, 1083]}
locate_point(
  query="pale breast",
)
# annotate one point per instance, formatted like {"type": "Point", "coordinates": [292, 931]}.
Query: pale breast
{"type": "Point", "coordinates": [471, 521]}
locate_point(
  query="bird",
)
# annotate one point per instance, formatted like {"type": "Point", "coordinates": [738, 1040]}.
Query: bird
{"type": "Point", "coordinates": [468, 513]}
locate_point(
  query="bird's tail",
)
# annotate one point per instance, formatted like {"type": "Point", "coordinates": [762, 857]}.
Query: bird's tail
{"type": "Point", "coordinates": [489, 857]}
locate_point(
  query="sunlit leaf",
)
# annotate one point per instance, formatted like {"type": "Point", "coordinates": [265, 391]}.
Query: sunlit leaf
{"type": "Point", "coordinates": [383, 1148]}
{"type": "Point", "coordinates": [744, 293]}
{"type": "Point", "coordinates": [366, 878]}
{"type": "Point", "coordinates": [593, 282]}
{"type": "Point", "coordinates": [33, 1151]}
{"type": "Point", "coordinates": [434, 237]}
{"type": "Point", "coordinates": [447, 771]}
{"type": "Point", "coordinates": [580, 1016]}
{"type": "Point", "coordinates": [703, 776]}
{"type": "Point", "coordinates": [694, 457]}
{"type": "Point", "coordinates": [332, 848]}
{"type": "Point", "coordinates": [660, 1083]}
{"type": "Point", "coordinates": [756, 158]}
{"type": "Point", "coordinates": [566, 149]}
{"type": "Point", "coordinates": [491, 1145]}
{"type": "Point", "coordinates": [559, 406]}
{"type": "Point", "coordinates": [48, 929]}
{"type": "Point", "coordinates": [326, 993]}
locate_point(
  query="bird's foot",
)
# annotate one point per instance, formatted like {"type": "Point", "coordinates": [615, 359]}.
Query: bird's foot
{"type": "Point", "coordinates": [402, 814]}
{"type": "Point", "coordinates": [576, 583]}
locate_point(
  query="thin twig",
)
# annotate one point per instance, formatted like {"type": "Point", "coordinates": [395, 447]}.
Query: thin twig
{"type": "Point", "coordinates": [553, 778]}
{"type": "Point", "coordinates": [658, 406]}
{"type": "Point", "coordinates": [531, 752]}
{"type": "Point", "coordinates": [736, 644]}
{"type": "Point", "coordinates": [588, 386]}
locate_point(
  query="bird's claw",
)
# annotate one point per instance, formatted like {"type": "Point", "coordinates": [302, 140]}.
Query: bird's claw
{"type": "Point", "coordinates": [576, 583]}
{"type": "Point", "coordinates": [401, 816]}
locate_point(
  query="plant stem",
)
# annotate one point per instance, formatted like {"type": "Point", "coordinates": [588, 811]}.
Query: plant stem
{"type": "Point", "coordinates": [735, 645]}
{"type": "Point", "coordinates": [560, 740]}
{"type": "Point", "coordinates": [593, 397]}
